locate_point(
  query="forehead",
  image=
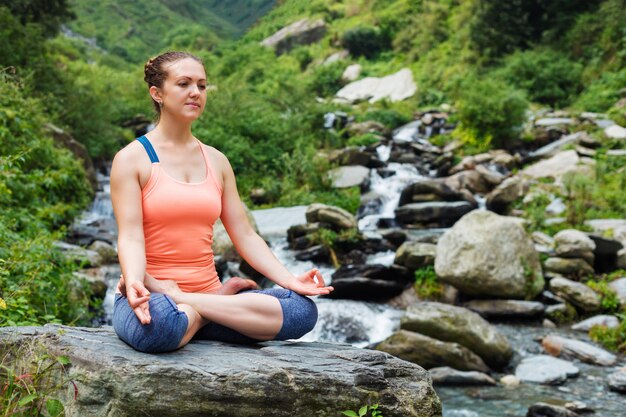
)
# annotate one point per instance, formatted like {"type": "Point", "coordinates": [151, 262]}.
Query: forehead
{"type": "Point", "coordinates": [187, 67]}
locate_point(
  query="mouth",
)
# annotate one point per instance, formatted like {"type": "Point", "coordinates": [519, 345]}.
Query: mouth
{"type": "Point", "coordinates": [196, 105]}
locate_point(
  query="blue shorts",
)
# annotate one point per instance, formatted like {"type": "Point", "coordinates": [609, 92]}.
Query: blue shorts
{"type": "Point", "coordinates": [168, 324]}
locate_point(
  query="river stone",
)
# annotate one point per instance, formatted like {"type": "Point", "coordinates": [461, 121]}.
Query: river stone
{"type": "Point", "coordinates": [617, 380]}
{"type": "Point", "coordinates": [573, 243]}
{"type": "Point", "coordinates": [505, 193]}
{"type": "Point", "coordinates": [557, 345]}
{"type": "Point", "coordinates": [415, 255]}
{"type": "Point", "coordinates": [549, 410]}
{"type": "Point", "coordinates": [506, 308]}
{"type": "Point", "coordinates": [554, 167]}
{"type": "Point", "coordinates": [561, 313]}
{"type": "Point", "coordinates": [350, 176]}
{"type": "Point", "coordinates": [337, 217]}
{"type": "Point", "coordinates": [351, 73]}
{"type": "Point", "coordinates": [268, 379]}
{"type": "Point", "coordinates": [619, 286]}
{"type": "Point", "coordinates": [394, 87]}
{"type": "Point", "coordinates": [485, 254]}
{"type": "Point", "coordinates": [365, 289]}
{"type": "Point", "coordinates": [544, 369]}
{"type": "Point", "coordinates": [553, 147]}
{"type": "Point", "coordinates": [445, 375]}
{"type": "Point", "coordinates": [620, 262]}
{"type": "Point", "coordinates": [576, 293]}
{"type": "Point", "coordinates": [79, 255]}
{"type": "Point", "coordinates": [428, 190]}
{"type": "Point", "coordinates": [599, 320]}
{"type": "Point", "coordinates": [615, 132]}
{"type": "Point", "coordinates": [430, 353]}
{"type": "Point", "coordinates": [573, 268]}
{"type": "Point", "coordinates": [302, 32]}
{"type": "Point", "coordinates": [459, 325]}
{"type": "Point", "coordinates": [440, 212]}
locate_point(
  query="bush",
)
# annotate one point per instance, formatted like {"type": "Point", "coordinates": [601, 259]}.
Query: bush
{"type": "Point", "coordinates": [490, 112]}
{"type": "Point", "coordinates": [42, 188]}
{"type": "Point", "coordinates": [547, 76]}
{"type": "Point", "coordinates": [326, 79]}
{"type": "Point", "coordinates": [365, 41]}
{"type": "Point", "coordinates": [427, 285]}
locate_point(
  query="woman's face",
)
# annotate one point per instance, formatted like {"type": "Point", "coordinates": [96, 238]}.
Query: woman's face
{"type": "Point", "coordinates": [184, 90]}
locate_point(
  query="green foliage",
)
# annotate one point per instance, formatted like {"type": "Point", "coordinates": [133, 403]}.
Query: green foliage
{"type": "Point", "coordinates": [46, 14]}
{"type": "Point", "coordinates": [373, 409]}
{"type": "Point", "coordinates": [490, 112]}
{"type": "Point", "coordinates": [365, 41]}
{"type": "Point", "coordinates": [427, 285]}
{"type": "Point", "coordinates": [389, 117]}
{"type": "Point", "coordinates": [326, 79]}
{"type": "Point", "coordinates": [603, 92]}
{"type": "Point", "coordinates": [613, 339]}
{"type": "Point", "coordinates": [608, 297]}
{"type": "Point", "coordinates": [364, 140]}
{"type": "Point", "coordinates": [42, 188]}
{"type": "Point", "coordinates": [546, 75]}
{"type": "Point", "coordinates": [29, 381]}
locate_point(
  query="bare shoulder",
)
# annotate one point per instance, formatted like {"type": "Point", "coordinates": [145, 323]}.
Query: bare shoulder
{"type": "Point", "coordinates": [217, 157]}
{"type": "Point", "coordinates": [132, 160]}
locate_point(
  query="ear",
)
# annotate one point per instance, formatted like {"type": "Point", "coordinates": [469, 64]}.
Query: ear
{"type": "Point", "coordinates": [155, 93]}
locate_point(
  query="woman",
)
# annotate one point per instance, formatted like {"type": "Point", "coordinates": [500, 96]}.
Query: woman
{"type": "Point", "coordinates": [167, 190]}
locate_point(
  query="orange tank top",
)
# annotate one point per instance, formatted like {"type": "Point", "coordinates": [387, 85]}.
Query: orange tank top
{"type": "Point", "coordinates": [178, 220]}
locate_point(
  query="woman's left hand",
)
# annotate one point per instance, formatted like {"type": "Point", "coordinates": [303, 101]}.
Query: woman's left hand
{"type": "Point", "coordinates": [310, 283]}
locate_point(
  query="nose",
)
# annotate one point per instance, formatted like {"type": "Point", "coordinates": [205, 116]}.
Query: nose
{"type": "Point", "coordinates": [195, 91]}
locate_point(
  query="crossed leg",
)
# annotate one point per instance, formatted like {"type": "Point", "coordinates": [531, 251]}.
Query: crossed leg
{"type": "Point", "coordinates": [258, 316]}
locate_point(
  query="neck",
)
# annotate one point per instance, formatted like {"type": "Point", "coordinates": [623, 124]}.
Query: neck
{"type": "Point", "coordinates": [173, 130]}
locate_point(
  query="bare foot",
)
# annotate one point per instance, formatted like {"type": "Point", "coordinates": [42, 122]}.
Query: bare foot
{"type": "Point", "coordinates": [160, 286]}
{"type": "Point", "coordinates": [236, 284]}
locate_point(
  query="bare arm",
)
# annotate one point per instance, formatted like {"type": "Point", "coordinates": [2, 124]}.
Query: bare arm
{"type": "Point", "coordinates": [126, 199]}
{"type": "Point", "coordinates": [253, 248]}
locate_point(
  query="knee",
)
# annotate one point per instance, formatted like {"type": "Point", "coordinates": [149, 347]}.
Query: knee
{"type": "Point", "coordinates": [165, 331]}
{"type": "Point", "coordinates": [299, 317]}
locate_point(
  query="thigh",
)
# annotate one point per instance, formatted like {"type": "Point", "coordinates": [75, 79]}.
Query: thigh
{"type": "Point", "coordinates": [165, 331]}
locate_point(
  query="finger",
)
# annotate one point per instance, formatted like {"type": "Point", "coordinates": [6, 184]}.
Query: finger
{"type": "Point", "coordinates": [320, 278]}
{"type": "Point", "coordinates": [142, 314]}
{"type": "Point", "coordinates": [136, 302]}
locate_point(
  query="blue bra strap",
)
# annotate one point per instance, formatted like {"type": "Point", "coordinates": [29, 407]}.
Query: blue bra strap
{"type": "Point", "coordinates": [151, 153]}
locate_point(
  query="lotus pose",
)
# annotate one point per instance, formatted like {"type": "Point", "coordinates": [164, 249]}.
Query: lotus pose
{"type": "Point", "coordinates": [168, 189]}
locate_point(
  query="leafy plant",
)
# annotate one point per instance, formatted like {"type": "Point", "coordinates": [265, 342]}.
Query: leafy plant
{"type": "Point", "coordinates": [427, 285]}
{"type": "Point", "coordinates": [29, 381]}
{"type": "Point", "coordinates": [608, 297]}
{"type": "Point", "coordinates": [373, 409]}
{"type": "Point", "coordinates": [613, 339]}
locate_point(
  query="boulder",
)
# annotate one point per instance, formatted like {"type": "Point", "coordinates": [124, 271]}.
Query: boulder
{"type": "Point", "coordinates": [394, 87]}
{"type": "Point", "coordinates": [268, 379]}
{"type": "Point", "coordinates": [485, 254]}
{"type": "Point", "coordinates": [459, 325]}
{"type": "Point", "coordinates": [415, 255]}
{"type": "Point", "coordinates": [437, 212]}
{"type": "Point", "coordinates": [428, 190]}
{"type": "Point", "coordinates": [338, 218]}
{"type": "Point", "coordinates": [576, 293]}
{"type": "Point", "coordinates": [571, 243]}
{"type": "Point", "coordinates": [302, 32]}
{"type": "Point", "coordinates": [557, 346]}
{"type": "Point", "coordinates": [222, 245]}
{"type": "Point", "coordinates": [554, 167]}
{"type": "Point", "coordinates": [617, 380]}
{"type": "Point", "coordinates": [619, 286]}
{"type": "Point", "coordinates": [350, 176]}
{"type": "Point", "coordinates": [615, 132]}
{"type": "Point", "coordinates": [549, 410]}
{"type": "Point", "coordinates": [430, 353]}
{"type": "Point", "coordinates": [553, 147]}
{"type": "Point", "coordinates": [506, 193]}
{"type": "Point", "coordinates": [445, 375]}
{"type": "Point", "coordinates": [351, 73]}
{"type": "Point", "coordinates": [544, 369]}
{"type": "Point", "coordinates": [599, 320]}
{"type": "Point", "coordinates": [516, 309]}
{"type": "Point", "coordinates": [573, 268]}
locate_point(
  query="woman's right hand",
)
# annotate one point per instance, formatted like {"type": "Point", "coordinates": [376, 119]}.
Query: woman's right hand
{"type": "Point", "coordinates": [138, 296]}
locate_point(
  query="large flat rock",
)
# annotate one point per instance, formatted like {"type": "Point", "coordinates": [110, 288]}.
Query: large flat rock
{"type": "Point", "coordinates": [216, 379]}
